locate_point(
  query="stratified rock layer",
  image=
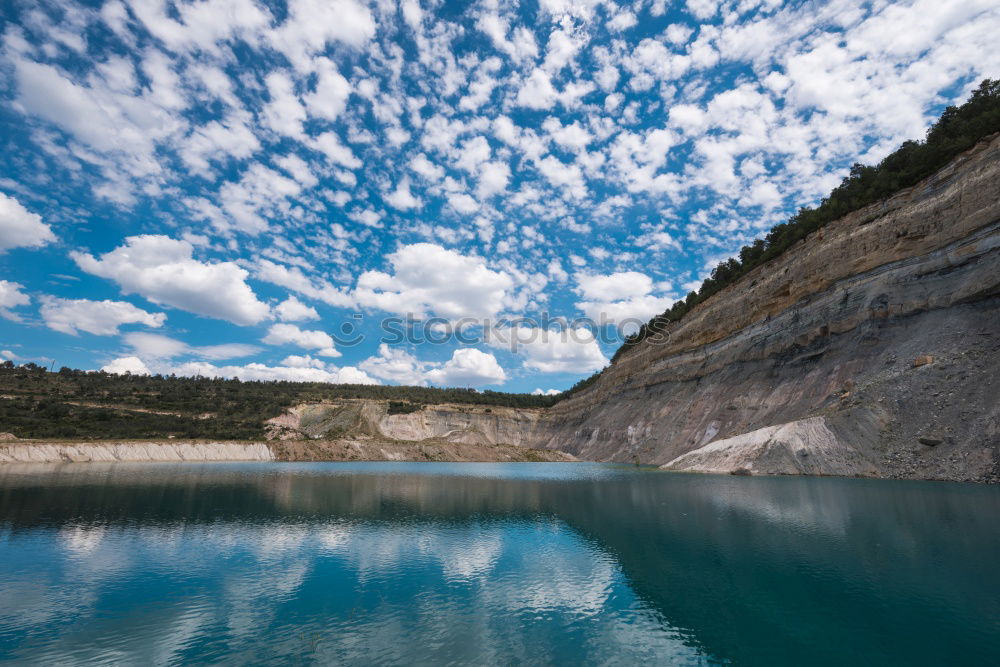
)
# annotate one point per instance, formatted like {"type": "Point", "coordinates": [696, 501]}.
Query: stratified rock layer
{"type": "Point", "coordinates": [886, 323]}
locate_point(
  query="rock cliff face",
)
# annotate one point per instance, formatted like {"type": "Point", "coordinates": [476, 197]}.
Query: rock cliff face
{"type": "Point", "coordinates": [876, 340]}
{"type": "Point", "coordinates": [465, 424]}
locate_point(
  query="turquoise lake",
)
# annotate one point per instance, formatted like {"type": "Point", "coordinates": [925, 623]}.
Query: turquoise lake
{"type": "Point", "coordinates": [525, 563]}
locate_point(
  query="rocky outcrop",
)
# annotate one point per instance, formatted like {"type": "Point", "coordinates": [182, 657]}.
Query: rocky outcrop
{"type": "Point", "coordinates": [467, 424]}
{"type": "Point", "coordinates": [805, 447]}
{"type": "Point", "coordinates": [886, 323]}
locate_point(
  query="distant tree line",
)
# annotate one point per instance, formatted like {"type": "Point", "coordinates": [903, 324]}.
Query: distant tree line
{"type": "Point", "coordinates": [957, 130]}
{"type": "Point", "coordinates": [94, 404]}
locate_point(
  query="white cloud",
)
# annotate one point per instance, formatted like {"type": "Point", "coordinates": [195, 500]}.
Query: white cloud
{"type": "Point", "coordinates": [293, 310]}
{"type": "Point", "coordinates": [302, 361]}
{"type": "Point", "coordinates": [688, 118]}
{"type": "Point", "coordinates": [473, 152]}
{"type": "Point", "coordinates": [678, 33]}
{"type": "Point", "coordinates": [614, 286]}
{"type": "Point", "coordinates": [299, 169]}
{"type": "Point", "coordinates": [562, 48]}
{"type": "Point", "coordinates": [545, 392]}
{"type": "Point", "coordinates": [427, 278]}
{"type": "Point", "coordinates": [401, 198]}
{"type": "Point", "coordinates": [312, 24]}
{"type": "Point", "coordinates": [421, 165]}
{"type": "Point", "coordinates": [102, 318]}
{"type": "Point", "coordinates": [493, 179]}
{"type": "Point", "coordinates": [537, 91]}
{"type": "Point", "coordinates": [520, 47]}
{"type": "Point", "coordinates": [157, 346]}
{"type": "Point", "coordinates": [330, 145]}
{"type": "Point", "coordinates": [703, 9]}
{"type": "Point", "coordinates": [154, 346]}
{"type": "Point", "coordinates": [11, 296]}
{"type": "Point", "coordinates": [163, 270]}
{"type": "Point", "coordinates": [463, 203]}
{"type": "Point", "coordinates": [657, 241]}
{"type": "Point", "coordinates": [293, 279]}
{"type": "Point", "coordinates": [468, 367]}
{"type": "Point", "coordinates": [396, 365]}
{"type": "Point", "coordinates": [289, 334]}
{"type": "Point", "coordinates": [100, 118]}
{"type": "Point", "coordinates": [573, 137]}
{"type": "Point", "coordinates": [19, 227]}
{"type": "Point", "coordinates": [329, 99]}
{"type": "Point", "coordinates": [260, 192]}
{"type": "Point", "coordinates": [562, 175]}
{"type": "Point", "coordinates": [555, 351]}
{"type": "Point", "coordinates": [284, 113]}
{"type": "Point", "coordinates": [623, 20]}
{"type": "Point", "coordinates": [619, 296]}
{"type": "Point", "coordinates": [124, 365]}
{"type": "Point", "coordinates": [217, 140]}
{"type": "Point", "coordinates": [263, 372]}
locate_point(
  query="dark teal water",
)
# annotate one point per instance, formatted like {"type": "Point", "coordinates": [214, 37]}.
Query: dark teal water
{"type": "Point", "coordinates": [430, 563]}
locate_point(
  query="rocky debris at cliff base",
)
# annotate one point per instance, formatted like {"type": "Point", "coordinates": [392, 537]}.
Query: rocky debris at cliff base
{"type": "Point", "coordinates": [803, 447]}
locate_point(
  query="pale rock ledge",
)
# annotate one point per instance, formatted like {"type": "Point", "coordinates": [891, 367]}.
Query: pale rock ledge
{"type": "Point", "coordinates": [803, 447]}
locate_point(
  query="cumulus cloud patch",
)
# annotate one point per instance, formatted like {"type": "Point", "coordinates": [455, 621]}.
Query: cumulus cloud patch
{"type": "Point", "coordinates": [293, 310]}
{"type": "Point", "coordinates": [164, 271]}
{"type": "Point", "coordinates": [71, 316]}
{"type": "Point", "coordinates": [126, 365]}
{"type": "Point", "coordinates": [616, 297]}
{"type": "Point", "coordinates": [11, 296]}
{"type": "Point", "coordinates": [468, 367]}
{"type": "Point", "coordinates": [158, 346]}
{"type": "Point", "coordinates": [556, 350]}
{"type": "Point", "coordinates": [289, 334]}
{"type": "Point", "coordinates": [20, 228]}
{"type": "Point", "coordinates": [429, 279]}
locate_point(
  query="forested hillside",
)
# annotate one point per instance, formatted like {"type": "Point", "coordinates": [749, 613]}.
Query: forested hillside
{"type": "Point", "coordinates": [69, 403]}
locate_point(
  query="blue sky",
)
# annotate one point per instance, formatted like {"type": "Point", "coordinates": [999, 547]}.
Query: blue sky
{"type": "Point", "coordinates": [240, 188]}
